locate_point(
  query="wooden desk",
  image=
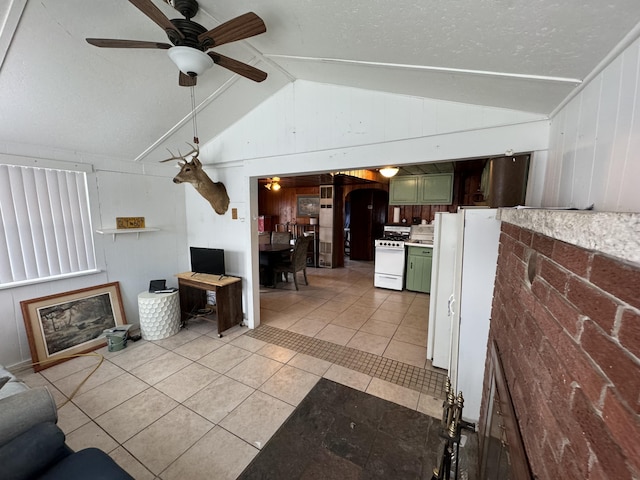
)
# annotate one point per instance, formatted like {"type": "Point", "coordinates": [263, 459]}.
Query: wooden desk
{"type": "Point", "coordinates": [271, 255]}
{"type": "Point", "coordinates": [193, 296]}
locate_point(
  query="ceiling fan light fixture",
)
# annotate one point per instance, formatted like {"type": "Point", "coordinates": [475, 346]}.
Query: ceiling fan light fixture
{"type": "Point", "coordinates": [190, 61]}
{"type": "Point", "coordinates": [389, 171]}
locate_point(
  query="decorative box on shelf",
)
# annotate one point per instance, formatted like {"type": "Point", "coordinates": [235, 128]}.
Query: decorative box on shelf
{"type": "Point", "coordinates": [127, 225]}
{"type": "Point", "coordinates": [129, 222]}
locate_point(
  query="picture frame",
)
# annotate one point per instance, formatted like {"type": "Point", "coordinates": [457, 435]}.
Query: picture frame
{"type": "Point", "coordinates": [308, 206]}
{"type": "Point", "coordinates": [59, 326]}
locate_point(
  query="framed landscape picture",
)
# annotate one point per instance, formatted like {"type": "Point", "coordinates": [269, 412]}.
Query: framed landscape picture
{"type": "Point", "coordinates": [308, 206]}
{"type": "Point", "coordinates": [61, 325]}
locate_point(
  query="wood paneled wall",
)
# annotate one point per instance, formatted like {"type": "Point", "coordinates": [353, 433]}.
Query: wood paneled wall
{"type": "Point", "coordinates": [281, 205]}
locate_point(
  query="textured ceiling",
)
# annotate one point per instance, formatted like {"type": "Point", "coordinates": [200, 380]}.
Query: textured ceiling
{"type": "Point", "coordinates": [59, 92]}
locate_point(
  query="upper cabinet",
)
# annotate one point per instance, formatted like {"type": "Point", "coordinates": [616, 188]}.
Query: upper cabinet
{"type": "Point", "coordinates": [432, 189]}
{"type": "Point", "coordinates": [404, 190]}
{"type": "Point", "coordinates": [436, 189]}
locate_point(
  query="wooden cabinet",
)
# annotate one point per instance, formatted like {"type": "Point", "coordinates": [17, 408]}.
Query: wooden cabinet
{"type": "Point", "coordinates": [419, 269]}
{"type": "Point", "coordinates": [432, 189]}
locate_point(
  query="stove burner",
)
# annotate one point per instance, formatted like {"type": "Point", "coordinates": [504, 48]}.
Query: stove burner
{"type": "Point", "coordinates": [394, 238]}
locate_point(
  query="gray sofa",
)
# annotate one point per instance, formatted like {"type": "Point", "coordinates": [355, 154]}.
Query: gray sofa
{"type": "Point", "coordinates": [32, 446]}
{"type": "Point", "coordinates": [9, 384]}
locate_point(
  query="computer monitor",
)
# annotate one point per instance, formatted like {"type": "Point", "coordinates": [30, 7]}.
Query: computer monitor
{"type": "Point", "coordinates": [207, 260]}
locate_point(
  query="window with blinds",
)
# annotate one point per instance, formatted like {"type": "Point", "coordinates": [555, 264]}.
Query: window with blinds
{"type": "Point", "coordinates": [45, 226]}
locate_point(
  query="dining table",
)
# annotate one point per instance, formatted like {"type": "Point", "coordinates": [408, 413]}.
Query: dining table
{"type": "Point", "coordinates": [271, 255]}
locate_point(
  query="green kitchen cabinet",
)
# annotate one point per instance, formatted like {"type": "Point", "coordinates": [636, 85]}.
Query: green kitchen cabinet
{"type": "Point", "coordinates": [431, 189]}
{"type": "Point", "coordinates": [436, 189]}
{"type": "Point", "coordinates": [404, 190]}
{"type": "Point", "coordinates": [419, 261]}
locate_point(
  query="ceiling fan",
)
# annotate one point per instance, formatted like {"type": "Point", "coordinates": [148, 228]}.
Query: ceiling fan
{"type": "Point", "coordinates": [191, 40]}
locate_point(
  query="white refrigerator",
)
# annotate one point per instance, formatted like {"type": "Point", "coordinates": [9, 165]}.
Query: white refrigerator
{"type": "Point", "coordinates": [465, 255]}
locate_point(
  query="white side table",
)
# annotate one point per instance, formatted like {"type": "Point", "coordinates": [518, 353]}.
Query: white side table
{"type": "Point", "coordinates": [159, 314]}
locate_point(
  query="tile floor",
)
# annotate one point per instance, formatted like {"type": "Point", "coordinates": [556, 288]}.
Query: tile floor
{"type": "Point", "coordinates": [342, 306]}
{"type": "Point", "coordinates": [199, 407]}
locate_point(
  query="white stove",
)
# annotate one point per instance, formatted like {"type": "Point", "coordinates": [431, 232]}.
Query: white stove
{"type": "Point", "coordinates": [390, 257]}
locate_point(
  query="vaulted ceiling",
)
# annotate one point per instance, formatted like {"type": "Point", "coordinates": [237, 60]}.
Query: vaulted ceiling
{"type": "Point", "coordinates": [59, 92]}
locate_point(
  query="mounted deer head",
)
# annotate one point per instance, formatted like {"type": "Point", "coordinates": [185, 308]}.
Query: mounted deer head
{"type": "Point", "coordinates": [191, 172]}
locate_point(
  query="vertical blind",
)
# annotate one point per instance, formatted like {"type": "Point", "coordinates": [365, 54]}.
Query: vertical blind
{"type": "Point", "coordinates": [45, 226]}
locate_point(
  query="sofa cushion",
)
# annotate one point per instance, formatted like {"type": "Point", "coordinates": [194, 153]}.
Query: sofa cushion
{"type": "Point", "coordinates": [20, 412]}
{"type": "Point", "coordinates": [89, 463]}
{"type": "Point", "coordinates": [30, 454]}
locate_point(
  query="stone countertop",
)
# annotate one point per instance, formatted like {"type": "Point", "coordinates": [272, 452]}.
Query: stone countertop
{"type": "Point", "coordinates": [418, 243]}
{"type": "Point", "coordinates": [613, 233]}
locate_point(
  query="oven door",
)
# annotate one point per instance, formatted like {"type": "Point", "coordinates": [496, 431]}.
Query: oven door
{"type": "Point", "coordinates": [389, 261]}
{"type": "Point", "coordinates": [389, 268]}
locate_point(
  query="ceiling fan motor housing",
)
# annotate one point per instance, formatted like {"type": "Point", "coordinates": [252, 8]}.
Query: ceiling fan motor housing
{"type": "Point", "coordinates": [188, 8]}
{"type": "Point", "coordinates": [190, 30]}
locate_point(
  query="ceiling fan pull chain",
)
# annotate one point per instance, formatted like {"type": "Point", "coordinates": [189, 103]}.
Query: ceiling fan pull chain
{"type": "Point", "coordinates": [193, 115]}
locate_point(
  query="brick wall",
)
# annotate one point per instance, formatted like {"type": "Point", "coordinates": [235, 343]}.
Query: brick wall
{"type": "Point", "coordinates": [567, 325]}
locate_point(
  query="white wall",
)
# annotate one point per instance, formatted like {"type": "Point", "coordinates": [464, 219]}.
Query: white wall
{"type": "Point", "coordinates": [131, 260]}
{"type": "Point", "coordinates": [311, 117]}
{"type": "Point", "coordinates": [595, 141]}
{"type": "Point", "coordinates": [207, 229]}
{"type": "Point", "coordinates": [133, 191]}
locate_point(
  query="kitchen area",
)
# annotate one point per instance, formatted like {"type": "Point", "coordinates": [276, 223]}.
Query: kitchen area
{"type": "Point", "coordinates": [414, 230]}
{"type": "Point", "coordinates": [404, 253]}
{"type": "Point", "coordinates": [404, 256]}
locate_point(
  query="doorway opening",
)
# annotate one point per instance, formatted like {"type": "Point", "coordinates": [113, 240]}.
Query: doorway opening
{"type": "Point", "coordinates": [365, 217]}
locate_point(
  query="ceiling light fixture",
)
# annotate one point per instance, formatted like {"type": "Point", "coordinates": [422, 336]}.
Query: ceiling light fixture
{"type": "Point", "coordinates": [273, 184]}
{"type": "Point", "coordinates": [190, 61]}
{"type": "Point", "coordinates": [389, 171]}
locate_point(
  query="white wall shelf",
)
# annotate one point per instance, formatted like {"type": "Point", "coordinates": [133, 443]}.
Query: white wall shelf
{"type": "Point", "coordinates": [116, 231]}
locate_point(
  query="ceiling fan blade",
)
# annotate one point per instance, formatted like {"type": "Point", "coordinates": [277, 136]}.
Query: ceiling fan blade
{"type": "Point", "coordinates": [238, 28]}
{"type": "Point", "coordinates": [240, 68]}
{"type": "Point", "coordinates": [112, 43]}
{"type": "Point", "coordinates": [186, 81]}
{"type": "Point", "coordinates": [155, 14]}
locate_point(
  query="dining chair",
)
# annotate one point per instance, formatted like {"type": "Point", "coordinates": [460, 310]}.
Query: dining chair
{"type": "Point", "coordinates": [297, 263]}
{"type": "Point", "coordinates": [280, 237]}
{"type": "Point", "coordinates": [264, 239]}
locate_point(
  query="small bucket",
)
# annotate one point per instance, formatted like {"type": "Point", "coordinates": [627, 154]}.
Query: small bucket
{"type": "Point", "coordinates": [116, 341]}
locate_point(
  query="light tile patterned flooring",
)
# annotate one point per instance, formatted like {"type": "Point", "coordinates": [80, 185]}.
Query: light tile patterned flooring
{"type": "Point", "coordinates": [416, 378]}
{"type": "Point", "coordinates": [199, 407]}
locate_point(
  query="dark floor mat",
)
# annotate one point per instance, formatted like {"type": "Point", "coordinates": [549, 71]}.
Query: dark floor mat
{"type": "Point", "coordinates": [341, 433]}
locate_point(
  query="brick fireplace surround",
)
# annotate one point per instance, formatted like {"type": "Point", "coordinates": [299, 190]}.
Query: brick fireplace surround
{"type": "Point", "coordinates": [566, 324]}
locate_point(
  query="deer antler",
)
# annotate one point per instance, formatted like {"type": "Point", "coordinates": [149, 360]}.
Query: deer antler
{"type": "Point", "coordinates": [195, 151]}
